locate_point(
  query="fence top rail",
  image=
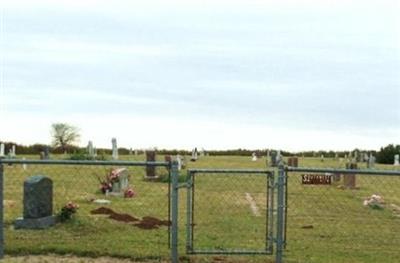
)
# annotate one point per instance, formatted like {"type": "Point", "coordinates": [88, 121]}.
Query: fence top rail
{"type": "Point", "coordinates": [238, 171]}
{"type": "Point", "coordinates": [342, 171]}
{"type": "Point", "coordinates": [83, 162]}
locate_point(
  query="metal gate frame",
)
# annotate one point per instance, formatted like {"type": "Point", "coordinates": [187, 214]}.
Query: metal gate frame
{"type": "Point", "coordinates": [190, 185]}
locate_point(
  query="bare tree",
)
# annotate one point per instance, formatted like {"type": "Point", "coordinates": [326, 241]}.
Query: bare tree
{"type": "Point", "coordinates": [63, 135]}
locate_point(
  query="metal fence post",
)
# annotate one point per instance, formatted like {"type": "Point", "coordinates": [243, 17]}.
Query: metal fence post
{"type": "Point", "coordinates": [280, 213]}
{"type": "Point", "coordinates": [174, 212]}
{"type": "Point", "coordinates": [1, 210]}
{"type": "Point", "coordinates": [189, 211]}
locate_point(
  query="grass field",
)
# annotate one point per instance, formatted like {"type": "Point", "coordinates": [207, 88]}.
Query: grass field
{"type": "Point", "coordinates": [325, 223]}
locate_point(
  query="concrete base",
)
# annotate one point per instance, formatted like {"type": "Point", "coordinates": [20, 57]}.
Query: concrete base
{"type": "Point", "coordinates": [116, 194]}
{"type": "Point", "coordinates": [35, 223]}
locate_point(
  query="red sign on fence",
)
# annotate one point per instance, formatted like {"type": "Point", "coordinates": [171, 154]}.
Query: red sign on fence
{"type": "Point", "coordinates": [316, 179]}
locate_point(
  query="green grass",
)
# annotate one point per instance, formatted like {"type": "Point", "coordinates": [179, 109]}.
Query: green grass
{"type": "Point", "coordinates": [325, 223]}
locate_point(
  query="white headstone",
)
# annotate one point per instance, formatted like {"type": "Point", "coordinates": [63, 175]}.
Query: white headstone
{"type": "Point", "coordinates": [2, 150]}
{"type": "Point", "coordinates": [24, 166]}
{"type": "Point", "coordinates": [322, 157]}
{"type": "Point", "coordinates": [90, 149]}
{"type": "Point", "coordinates": [396, 160]}
{"type": "Point", "coordinates": [179, 160]}
{"type": "Point", "coordinates": [114, 149]}
{"type": "Point", "coordinates": [254, 157]}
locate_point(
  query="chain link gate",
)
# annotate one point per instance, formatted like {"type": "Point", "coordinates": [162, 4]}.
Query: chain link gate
{"type": "Point", "coordinates": [227, 206]}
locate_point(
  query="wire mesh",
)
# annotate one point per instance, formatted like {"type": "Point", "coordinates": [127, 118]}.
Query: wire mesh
{"type": "Point", "coordinates": [333, 217]}
{"type": "Point", "coordinates": [229, 213]}
{"type": "Point", "coordinates": [110, 223]}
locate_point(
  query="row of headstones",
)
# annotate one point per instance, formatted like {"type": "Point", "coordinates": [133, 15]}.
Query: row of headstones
{"type": "Point", "coordinates": [274, 158]}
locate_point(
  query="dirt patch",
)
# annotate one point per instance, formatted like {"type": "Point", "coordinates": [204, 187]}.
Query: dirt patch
{"type": "Point", "coordinates": [123, 217]}
{"type": "Point", "coordinates": [147, 222]}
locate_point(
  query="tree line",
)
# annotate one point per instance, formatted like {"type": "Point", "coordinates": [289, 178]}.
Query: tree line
{"type": "Point", "coordinates": [64, 137]}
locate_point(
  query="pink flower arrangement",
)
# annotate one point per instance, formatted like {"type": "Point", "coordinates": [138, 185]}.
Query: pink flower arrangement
{"type": "Point", "coordinates": [67, 211]}
{"type": "Point", "coordinates": [129, 193]}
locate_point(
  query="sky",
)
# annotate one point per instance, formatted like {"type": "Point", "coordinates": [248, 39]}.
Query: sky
{"type": "Point", "coordinates": [290, 75]}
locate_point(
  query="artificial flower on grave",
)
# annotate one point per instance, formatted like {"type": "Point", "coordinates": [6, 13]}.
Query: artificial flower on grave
{"type": "Point", "coordinates": [67, 211]}
{"type": "Point", "coordinates": [129, 193]}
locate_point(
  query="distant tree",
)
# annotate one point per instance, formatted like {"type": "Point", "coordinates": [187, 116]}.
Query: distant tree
{"type": "Point", "coordinates": [64, 135]}
{"type": "Point", "coordinates": [386, 154]}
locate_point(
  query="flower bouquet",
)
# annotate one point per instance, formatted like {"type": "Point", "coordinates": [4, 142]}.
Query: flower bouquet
{"type": "Point", "coordinates": [67, 211]}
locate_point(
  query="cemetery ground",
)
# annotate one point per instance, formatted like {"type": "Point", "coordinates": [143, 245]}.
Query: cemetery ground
{"type": "Point", "coordinates": [325, 222]}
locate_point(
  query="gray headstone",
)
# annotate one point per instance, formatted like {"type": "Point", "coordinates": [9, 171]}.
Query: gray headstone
{"type": "Point", "coordinates": [371, 161]}
{"type": "Point", "coordinates": [46, 153]}
{"type": "Point", "coordinates": [2, 150]}
{"type": "Point", "coordinates": [114, 149]}
{"type": "Point", "coordinates": [194, 155]}
{"type": "Point", "coordinates": [122, 184]}
{"type": "Point", "coordinates": [38, 203]}
{"type": "Point", "coordinates": [274, 159]}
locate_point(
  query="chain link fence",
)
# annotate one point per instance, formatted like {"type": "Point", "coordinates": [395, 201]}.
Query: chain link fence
{"type": "Point", "coordinates": [121, 213]}
{"type": "Point", "coordinates": [342, 216]}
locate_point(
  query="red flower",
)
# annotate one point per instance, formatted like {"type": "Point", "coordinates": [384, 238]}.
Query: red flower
{"type": "Point", "coordinates": [129, 193]}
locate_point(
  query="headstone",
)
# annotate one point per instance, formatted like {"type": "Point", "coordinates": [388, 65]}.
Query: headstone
{"type": "Point", "coordinates": [254, 157]}
{"type": "Point", "coordinates": [119, 186]}
{"type": "Point", "coordinates": [136, 152]}
{"type": "Point", "coordinates": [194, 155]}
{"type": "Point", "coordinates": [336, 156]}
{"type": "Point", "coordinates": [150, 169]}
{"type": "Point", "coordinates": [2, 150]}
{"type": "Point", "coordinates": [42, 155]}
{"type": "Point", "coordinates": [90, 149]}
{"type": "Point", "coordinates": [322, 158]}
{"type": "Point", "coordinates": [396, 160]}
{"type": "Point", "coordinates": [24, 165]}
{"type": "Point", "coordinates": [279, 158]}
{"type": "Point", "coordinates": [38, 204]}
{"type": "Point", "coordinates": [130, 151]}
{"type": "Point", "coordinates": [274, 157]}
{"type": "Point", "coordinates": [371, 161]}
{"type": "Point", "coordinates": [114, 149]}
{"type": "Point", "coordinates": [11, 152]}
{"type": "Point", "coordinates": [293, 161]}
{"type": "Point", "coordinates": [95, 152]}
{"type": "Point", "coordinates": [366, 157]}
{"type": "Point", "coordinates": [179, 160]}
{"type": "Point", "coordinates": [46, 153]}
{"type": "Point", "coordinates": [349, 180]}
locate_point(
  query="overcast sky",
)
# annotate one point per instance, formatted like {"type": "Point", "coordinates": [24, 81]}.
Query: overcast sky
{"type": "Point", "coordinates": [293, 75]}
